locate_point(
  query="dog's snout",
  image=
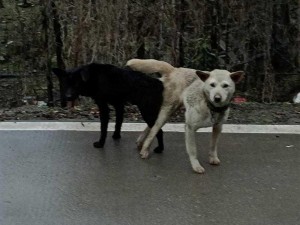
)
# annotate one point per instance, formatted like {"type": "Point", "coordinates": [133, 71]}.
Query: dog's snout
{"type": "Point", "coordinates": [217, 98]}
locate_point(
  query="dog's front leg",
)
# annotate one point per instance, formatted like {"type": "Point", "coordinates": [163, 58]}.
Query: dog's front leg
{"type": "Point", "coordinates": [119, 120]}
{"type": "Point", "coordinates": [104, 117]}
{"type": "Point", "coordinates": [191, 148]}
{"type": "Point", "coordinates": [213, 153]}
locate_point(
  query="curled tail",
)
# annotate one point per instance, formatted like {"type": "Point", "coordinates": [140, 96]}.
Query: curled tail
{"type": "Point", "coordinates": [150, 66]}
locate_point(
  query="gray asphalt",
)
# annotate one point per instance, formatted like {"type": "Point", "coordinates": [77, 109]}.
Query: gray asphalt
{"type": "Point", "coordinates": [58, 178]}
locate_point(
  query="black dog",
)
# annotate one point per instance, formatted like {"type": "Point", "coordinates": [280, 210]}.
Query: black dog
{"type": "Point", "coordinates": [108, 84]}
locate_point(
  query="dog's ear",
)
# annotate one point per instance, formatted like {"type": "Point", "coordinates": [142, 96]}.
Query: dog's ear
{"type": "Point", "coordinates": [85, 75]}
{"type": "Point", "coordinates": [237, 76]}
{"type": "Point", "coordinates": [203, 75]}
{"type": "Point", "coordinates": [59, 72]}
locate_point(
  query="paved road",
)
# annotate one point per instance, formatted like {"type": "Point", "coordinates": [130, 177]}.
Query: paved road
{"type": "Point", "coordinates": [58, 178]}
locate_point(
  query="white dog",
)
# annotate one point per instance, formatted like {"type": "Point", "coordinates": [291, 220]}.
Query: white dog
{"type": "Point", "coordinates": [206, 100]}
{"type": "Point", "coordinates": [175, 81]}
{"type": "Point", "coordinates": [207, 104]}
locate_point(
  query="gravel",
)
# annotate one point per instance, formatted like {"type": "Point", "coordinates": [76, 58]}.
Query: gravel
{"type": "Point", "coordinates": [242, 113]}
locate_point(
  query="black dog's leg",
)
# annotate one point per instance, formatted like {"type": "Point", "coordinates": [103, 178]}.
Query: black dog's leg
{"type": "Point", "coordinates": [119, 120]}
{"type": "Point", "coordinates": [104, 117]}
{"type": "Point", "coordinates": [160, 147]}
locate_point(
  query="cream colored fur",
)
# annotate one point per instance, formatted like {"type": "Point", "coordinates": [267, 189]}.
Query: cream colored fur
{"type": "Point", "coordinates": [182, 85]}
{"type": "Point", "coordinates": [215, 88]}
{"type": "Point", "coordinates": [175, 81]}
{"type": "Point", "coordinates": [150, 66]}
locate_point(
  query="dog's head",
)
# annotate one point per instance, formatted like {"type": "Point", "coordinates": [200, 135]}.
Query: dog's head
{"type": "Point", "coordinates": [219, 85]}
{"type": "Point", "coordinates": [72, 82]}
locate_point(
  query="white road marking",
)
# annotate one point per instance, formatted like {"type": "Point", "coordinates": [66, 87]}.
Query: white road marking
{"type": "Point", "coordinates": [131, 127]}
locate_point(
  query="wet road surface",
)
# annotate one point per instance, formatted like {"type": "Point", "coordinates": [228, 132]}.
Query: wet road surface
{"type": "Point", "coordinates": [58, 178]}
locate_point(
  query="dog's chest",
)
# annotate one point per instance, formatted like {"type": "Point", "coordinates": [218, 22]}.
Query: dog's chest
{"type": "Point", "coordinates": [198, 117]}
{"type": "Point", "coordinates": [220, 117]}
{"type": "Point", "coordinates": [206, 122]}
{"type": "Point", "coordinates": [207, 118]}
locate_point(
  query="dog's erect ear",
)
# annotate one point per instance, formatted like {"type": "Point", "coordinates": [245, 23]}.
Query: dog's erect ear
{"type": "Point", "coordinates": [85, 75]}
{"type": "Point", "coordinates": [203, 75]}
{"type": "Point", "coordinates": [59, 72]}
{"type": "Point", "coordinates": [237, 76]}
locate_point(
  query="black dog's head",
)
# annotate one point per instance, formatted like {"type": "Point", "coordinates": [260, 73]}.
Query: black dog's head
{"type": "Point", "coordinates": [72, 82]}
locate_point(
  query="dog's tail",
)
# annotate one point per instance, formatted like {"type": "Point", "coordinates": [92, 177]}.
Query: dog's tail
{"type": "Point", "coordinates": [150, 66]}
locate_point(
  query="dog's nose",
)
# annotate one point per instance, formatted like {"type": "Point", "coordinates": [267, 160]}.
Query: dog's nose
{"type": "Point", "coordinates": [217, 98]}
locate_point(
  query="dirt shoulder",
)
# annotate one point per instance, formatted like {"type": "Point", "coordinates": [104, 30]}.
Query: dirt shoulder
{"type": "Point", "coordinates": [244, 113]}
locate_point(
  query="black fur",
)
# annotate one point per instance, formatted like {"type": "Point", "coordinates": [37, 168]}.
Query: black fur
{"type": "Point", "coordinates": [108, 84]}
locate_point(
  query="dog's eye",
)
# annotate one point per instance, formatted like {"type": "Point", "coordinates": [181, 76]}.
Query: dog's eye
{"type": "Point", "coordinates": [213, 85]}
{"type": "Point", "coordinates": [225, 85]}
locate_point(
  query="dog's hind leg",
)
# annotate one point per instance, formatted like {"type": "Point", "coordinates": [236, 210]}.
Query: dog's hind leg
{"type": "Point", "coordinates": [161, 120]}
{"type": "Point", "coordinates": [191, 148]}
{"type": "Point", "coordinates": [213, 154]}
{"type": "Point", "coordinates": [140, 140]}
{"type": "Point", "coordinates": [119, 120]}
{"type": "Point", "coordinates": [150, 118]}
{"type": "Point", "coordinates": [159, 136]}
{"type": "Point", "coordinates": [160, 140]}
{"type": "Point", "coordinates": [104, 117]}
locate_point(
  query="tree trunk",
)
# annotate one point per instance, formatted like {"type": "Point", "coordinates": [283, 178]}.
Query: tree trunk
{"type": "Point", "coordinates": [59, 48]}
{"type": "Point", "coordinates": [45, 23]}
{"type": "Point", "coordinates": [269, 78]}
{"type": "Point", "coordinates": [175, 33]}
{"type": "Point", "coordinates": [140, 38]}
{"type": "Point", "coordinates": [182, 16]}
{"type": "Point", "coordinates": [1, 4]}
{"type": "Point", "coordinates": [214, 36]}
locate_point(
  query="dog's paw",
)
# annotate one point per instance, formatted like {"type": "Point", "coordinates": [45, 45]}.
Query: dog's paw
{"type": "Point", "coordinates": [158, 149]}
{"type": "Point", "coordinates": [144, 154]}
{"type": "Point", "coordinates": [98, 144]}
{"type": "Point", "coordinates": [214, 161]}
{"type": "Point", "coordinates": [116, 136]}
{"type": "Point", "coordinates": [199, 169]}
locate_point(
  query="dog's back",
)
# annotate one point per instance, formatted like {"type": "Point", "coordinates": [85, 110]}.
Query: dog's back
{"type": "Point", "coordinates": [175, 80]}
{"type": "Point", "coordinates": [115, 84]}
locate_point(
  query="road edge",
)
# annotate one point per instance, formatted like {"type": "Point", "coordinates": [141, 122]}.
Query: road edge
{"type": "Point", "coordinates": [137, 127]}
